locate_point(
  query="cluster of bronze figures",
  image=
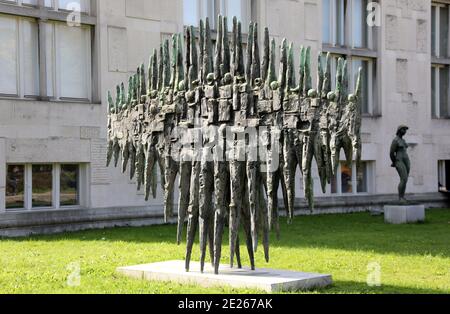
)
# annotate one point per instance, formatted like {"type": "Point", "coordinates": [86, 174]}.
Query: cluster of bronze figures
{"type": "Point", "coordinates": [233, 130]}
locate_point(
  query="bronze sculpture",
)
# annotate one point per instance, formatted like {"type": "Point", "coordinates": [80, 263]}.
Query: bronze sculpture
{"type": "Point", "coordinates": [400, 160]}
{"type": "Point", "coordinates": [232, 133]}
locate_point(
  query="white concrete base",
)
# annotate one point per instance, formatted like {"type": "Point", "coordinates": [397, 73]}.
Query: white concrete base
{"type": "Point", "coordinates": [268, 280]}
{"type": "Point", "coordinates": [401, 214]}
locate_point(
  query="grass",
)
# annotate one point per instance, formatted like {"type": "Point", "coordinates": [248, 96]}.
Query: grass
{"type": "Point", "coordinates": [414, 258]}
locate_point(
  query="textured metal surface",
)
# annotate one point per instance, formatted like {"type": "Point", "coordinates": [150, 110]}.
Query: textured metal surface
{"type": "Point", "coordinates": [233, 134]}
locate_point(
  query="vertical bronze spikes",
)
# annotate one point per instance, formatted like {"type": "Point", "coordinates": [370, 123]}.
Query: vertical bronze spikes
{"type": "Point", "coordinates": [149, 74]}
{"type": "Point", "coordinates": [187, 59]}
{"type": "Point", "coordinates": [272, 177]}
{"type": "Point", "coordinates": [193, 217]}
{"type": "Point", "coordinates": [137, 76]}
{"type": "Point", "coordinates": [225, 48]}
{"type": "Point", "coordinates": [161, 67]}
{"type": "Point", "coordinates": [355, 130]}
{"type": "Point", "coordinates": [166, 65]}
{"type": "Point", "coordinates": [290, 72]}
{"type": "Point", "coordinates": [180, 66]}
{"type": "Point", "coordinates": [218, 53]}
{"type": "Point", "coordinates": [283, 65]}
{"type": "Point", "coordinates": [307, 78]}
{"type": "Point", "coordinates": [358, 87]}
{"type": "Point", "coordinates": [123, 101]}
{"type": "Point", "coordinates": [193, 62]}
{"type": "Point", "coordinates": [302, 70]}
{"type": "Point", "coordinates": [201, 43]}
{"type": "Point", "coordinates": [208, 65]}
{"type": "Point", "coordinates": [266, 57]}
{"type": "Point", "coordinates": [110, 103]}
{"type": "Point", "coordinates": [116, 146]}
{"type": "Point", "coordinates": [245, 217]}
{"type": "Point", "coordinates": [165, 74]}
{"type": "Point", "coordinates": [124, 141]}
{"type": "Point", "coordinates": [255, 65]}
{"type": "Point", "coordinates": [240, 70]}
{"type": "Point", "coordinates": [326, 88]}
{"type": "Point", "coordinates": [135, 88]}
{"type": "Point", "coordinates": [173, 62]}
{"type": "Point", "coordinates": [320, 150]}
{"type": "Point", "coordinates": [233, 65]}
{"type": "Point", "coordinates": [263, 222]}
{"type": "Point", "coordinates": [249, 58]}
{"type": "Point", "coordinates": [129, 156]}
{"type": "Point", "coordinates": [339, 78]}
{"type": "Point", "coordinates": [110, 127]}
{"type": "Point", "coordinates": [345, 80]}
{"type": "Point", "coordinates": [118, 107]}
{"type": "Point", "coordinates": [271, 72]}
{"type": "Point", "coordinates": [131, 142]}
{"type": "Point", "coordinates": [140, 164]}
{"type": "Point", "coordinates": [153, 85]}
{"type": "Point", "coordinates": [142, 83]}
{"type": "Point", "coordinates": [320, 74]}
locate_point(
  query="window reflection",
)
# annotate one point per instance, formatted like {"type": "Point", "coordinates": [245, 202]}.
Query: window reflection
{"type": "Point", "coordinates": [361, 178]}
{"type": "Point", "coordinates": [190, 12]}
{"type": "Point", "coordinates": [346, 178]}
{"type": "Point", "coordinates": [326, 18]}
{"type": "Point", "coordinates": [334, 185]}
{"type": "Point", "coordinates": [42, 185]}
{"type": "Point", "coordinates": [15, 187]}
{"type": "Point", "coordinates": [69, 195]}
{"type": "Point", "coordinates": [360, 24]}
{"type": "Point", "coordinates": [443, 39]}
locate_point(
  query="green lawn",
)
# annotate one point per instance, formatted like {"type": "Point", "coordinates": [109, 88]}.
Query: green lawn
{"type": "Point", "coordinates": [413, 258]}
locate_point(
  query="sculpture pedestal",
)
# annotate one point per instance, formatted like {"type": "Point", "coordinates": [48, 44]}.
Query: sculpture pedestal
{"type": "Point", "coordinates": [402, 214]}
{"type": "Point", "coordinates": [268, 280]}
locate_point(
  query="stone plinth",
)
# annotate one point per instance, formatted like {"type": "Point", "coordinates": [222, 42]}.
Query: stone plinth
{"type": "Point", "coordinates": [401, 214]}
{"type": "Point", "coordinates": [268, 280]}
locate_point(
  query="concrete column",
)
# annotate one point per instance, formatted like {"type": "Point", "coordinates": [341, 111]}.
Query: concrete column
{"type": "Point", "coordinates": [42, 55]}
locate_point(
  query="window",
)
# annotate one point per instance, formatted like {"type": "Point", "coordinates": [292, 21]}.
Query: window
{"type": "Point", "coordinates": [360, 30]}
{"type": "Point", "coordinates": [41, 186]}
{"type": "Point", "coordinates": [19, 58]}
{"type": "Point", "coordinates": [352, 180]}
{"type": "Point", "coordinates": [439, 30]}
{"type": "Point", "coordinates": [69, 52]}
{"type": "Point", "coordinates": [439, 91]}
{"type": "Point", "coordinates": [368, 97]}
{"type": "Point", "coordinates": [65, 70]}
{"type": "Point", "coordinates": [345, 33]}
{"type": "Point", "coordinates": [58, 5]}
{"type": "Point", "coordinates": [333, 22]}
{"type": "Point", "coordinates": [15, 180]}
{"type": "Point", "coordinates": [362, 177]}
{"type": "Point", "coordinates": [70, 5]}
{"type": "Point", "coordinates": [344, 23]}
{"type": "Point", "coordinates": [369, 78]}
{"type": "Point", "coordinates": [191, 12]}
{"type": "Point", "coordinates": [440, 60]}
{"type": "Point", "coordinates": [444, 175]}
{"type": "Point", "coordinates": [69, 185]}
{"type": "Point", "coordinates": [194, 10]}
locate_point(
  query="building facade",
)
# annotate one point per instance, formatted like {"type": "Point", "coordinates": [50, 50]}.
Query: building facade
{"type": "Point", "coordinates": [60, 57]}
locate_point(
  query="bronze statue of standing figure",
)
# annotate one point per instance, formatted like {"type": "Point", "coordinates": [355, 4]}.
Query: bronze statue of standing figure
{"type": "Point", "coordinates": [400, 160]}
